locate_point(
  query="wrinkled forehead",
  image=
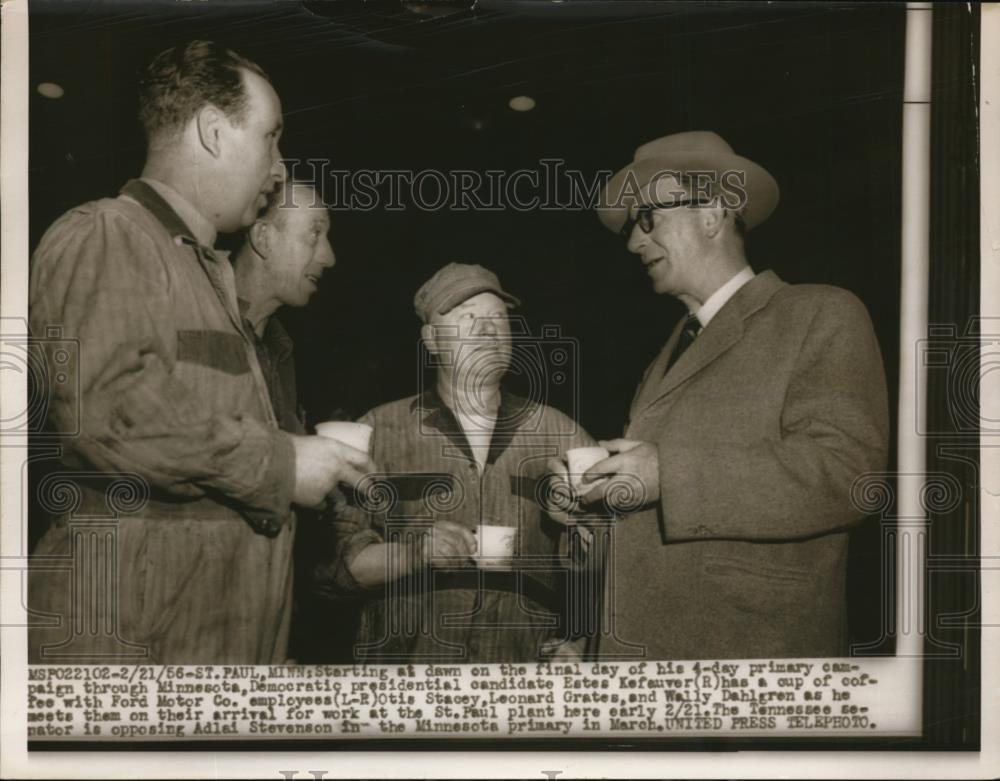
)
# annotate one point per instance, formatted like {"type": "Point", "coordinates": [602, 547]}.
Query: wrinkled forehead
{"type": "Point", "coordinates": [320, 216]}
{"type": "Point", "coordinates": [482, 304]}
{"type": "Point", "coordinates": [304, 202]}
{"type": "Point", "coordinates": [265, 105]}
{"type": "Point", "coordinates": [298, 195]}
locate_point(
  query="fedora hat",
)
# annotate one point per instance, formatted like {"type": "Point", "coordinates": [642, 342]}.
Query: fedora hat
{"type": "Point", "coordinates": [694, 150]}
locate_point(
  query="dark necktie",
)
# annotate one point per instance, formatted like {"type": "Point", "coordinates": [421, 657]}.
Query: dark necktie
{"type": "Point", "coordinates": [688, 334]}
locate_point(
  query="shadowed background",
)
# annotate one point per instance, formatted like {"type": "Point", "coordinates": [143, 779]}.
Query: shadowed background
{"type": "Point", "coordinates": [812, 93]}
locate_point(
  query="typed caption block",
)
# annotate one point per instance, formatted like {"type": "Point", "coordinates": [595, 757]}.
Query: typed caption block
{"type": "Point", "coordinates": [841, 697]}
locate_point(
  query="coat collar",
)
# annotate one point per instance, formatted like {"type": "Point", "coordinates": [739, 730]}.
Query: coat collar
{"type": "Point", "coordinates": [275, 338]}
{"type": "Point", "coordinates": [436, 413]}
{"type": "Point", "coordinates": [215, 263]}
{"type": "Point", "coordinates": [724, 331]}
{"type": "Point", "coordinates": [149, 198]}
{"type": "Point", "coordinates": [201, 228]}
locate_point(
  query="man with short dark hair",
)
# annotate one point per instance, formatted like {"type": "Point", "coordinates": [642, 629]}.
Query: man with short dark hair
{"type": "Point", "coordinates": [179, 81]}
{"type": "Point", "coordinates": [748, 430]}
{"type": "Point", "coordinates": [171, 395]}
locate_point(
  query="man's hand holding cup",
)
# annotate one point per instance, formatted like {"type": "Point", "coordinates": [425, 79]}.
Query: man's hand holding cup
{"type": "Point", "coordinates": [630, 464]}
{"type": "Point", "coordinates": [567, 483]}
{"type": "Point", "coordinates": [324, 462]}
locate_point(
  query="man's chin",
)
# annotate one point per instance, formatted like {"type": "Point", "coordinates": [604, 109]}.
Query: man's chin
{"type": "Point", "coordinates": [251, 212]}
{"type": "Point", "coordinates": [661, 287]}
{"type": "Point", "coordinates": [496, 356]}
{"type": "Point", "coordinates": [244, 221]}
{"type": "Point", "coordinates": [248, 217]}
{"type": "Point", "coordinates": [485, 366]}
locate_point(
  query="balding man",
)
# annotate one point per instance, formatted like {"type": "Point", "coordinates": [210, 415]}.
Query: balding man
{"type": "Point", "coordinates": [284, 255]}
{"type": "Point", "coordinates": [747, 431]}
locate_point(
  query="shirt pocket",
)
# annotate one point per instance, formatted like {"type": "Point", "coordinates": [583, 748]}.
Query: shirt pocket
{"type": "Point", "coordinates": [219, 350]}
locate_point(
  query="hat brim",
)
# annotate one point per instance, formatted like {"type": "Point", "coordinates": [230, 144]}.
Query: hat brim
{"type": "Point", "coordinates": [621, 192]}
{"type": "Point", "coordinates": [465, 293]}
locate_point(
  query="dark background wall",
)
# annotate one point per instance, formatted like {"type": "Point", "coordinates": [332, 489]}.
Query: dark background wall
{"type": "Point", "coordinates": [812, 92]}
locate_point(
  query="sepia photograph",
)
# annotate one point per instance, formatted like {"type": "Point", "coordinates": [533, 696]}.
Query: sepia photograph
{"type": "Point", "coordinates": [517, 376]}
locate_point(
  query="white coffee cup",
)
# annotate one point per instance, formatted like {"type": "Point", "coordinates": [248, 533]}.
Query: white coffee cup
{"type": "Point", "coordinates": [357, 435]}
{"type": "Point", "coordinates": [579, 460]}
{"type": "Point", "coordinates": [495, 545]}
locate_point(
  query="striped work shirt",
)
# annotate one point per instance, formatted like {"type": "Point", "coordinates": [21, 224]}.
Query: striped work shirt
{"type": "Point", "coordinates": [459, 612]}
{"type": "Point", "coordinates": [168, 390]}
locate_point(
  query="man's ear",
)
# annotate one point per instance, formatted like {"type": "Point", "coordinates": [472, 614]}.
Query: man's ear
{"type": "Point", "coordinates": [712, 220]}
{"type": "Point", "coordinates": [259, 237]}
{"type": "Point", "coordinates": [209, 121]}
{"type": "Point", "coordinates": [428, 334]}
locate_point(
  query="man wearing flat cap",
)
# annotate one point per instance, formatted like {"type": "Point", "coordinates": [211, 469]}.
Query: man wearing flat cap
{"type": "Point", "coordinates": [747, 431]}
{"type": "Point", "coordinates": [463, 455]}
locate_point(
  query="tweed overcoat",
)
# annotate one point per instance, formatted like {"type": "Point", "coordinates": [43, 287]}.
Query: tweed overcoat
{"type": "Point", "coordinates": [762, 426]}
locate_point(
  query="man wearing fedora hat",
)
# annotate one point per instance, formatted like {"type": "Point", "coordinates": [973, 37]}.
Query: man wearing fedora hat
{"type": "Point", "coordinates": [747, 431]}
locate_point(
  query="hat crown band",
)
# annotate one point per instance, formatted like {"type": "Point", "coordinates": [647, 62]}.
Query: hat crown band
{"type": "Point", "coordinates": [693, 151]}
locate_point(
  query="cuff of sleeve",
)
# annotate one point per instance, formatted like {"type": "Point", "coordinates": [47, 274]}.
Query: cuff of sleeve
{"type": "Point", "coordinates": [337, 576]}
{"type": "Point", "coordinates": [271, 505]}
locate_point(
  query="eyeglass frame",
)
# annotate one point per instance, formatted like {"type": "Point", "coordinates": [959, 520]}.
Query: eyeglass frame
{"type": "Point", "coordinates": [643, 216]}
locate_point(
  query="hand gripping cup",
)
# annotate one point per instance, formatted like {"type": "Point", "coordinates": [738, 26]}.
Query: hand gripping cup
{"type": "Point", "coordinates": [579, 460]}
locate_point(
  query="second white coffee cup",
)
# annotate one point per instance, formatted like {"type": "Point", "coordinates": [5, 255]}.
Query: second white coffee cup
{"type": "Point", "coordinates": [495, 545]}
{"type": "Point", "coordinates": [357, 435]}
{"type": "Point", "coordinates": [580, 459]}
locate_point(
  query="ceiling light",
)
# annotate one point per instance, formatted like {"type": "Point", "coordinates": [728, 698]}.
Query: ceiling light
{"type": "Point", "coordinates": [50, 89]}
{"type": "Point", "coordinates": [522, 103]}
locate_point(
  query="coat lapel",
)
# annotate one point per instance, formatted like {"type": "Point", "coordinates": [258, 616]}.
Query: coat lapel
{"type": "Point", "coordinates": [724, 331]}
{"type": "Point", "coordinates": [650, 383]}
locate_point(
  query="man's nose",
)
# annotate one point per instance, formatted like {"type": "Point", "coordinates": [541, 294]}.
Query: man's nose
{"type": "Point", "coordinates": [278, 171]}
{"type": "Point", "coordinates": [327, 258]}
{"type": "Point", "coordinates": [486, 326]}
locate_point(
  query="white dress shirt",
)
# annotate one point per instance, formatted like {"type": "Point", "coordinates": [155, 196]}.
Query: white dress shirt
{"type": "Point", "coordinates": [718, 299]}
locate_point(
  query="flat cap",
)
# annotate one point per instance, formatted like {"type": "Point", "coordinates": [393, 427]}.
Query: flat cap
{"type": "Point", "coordinates": [453, 284]}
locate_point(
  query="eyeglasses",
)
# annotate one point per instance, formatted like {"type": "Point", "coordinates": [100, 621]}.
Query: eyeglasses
{"type": "Point", "coordinates": [643, 216]}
